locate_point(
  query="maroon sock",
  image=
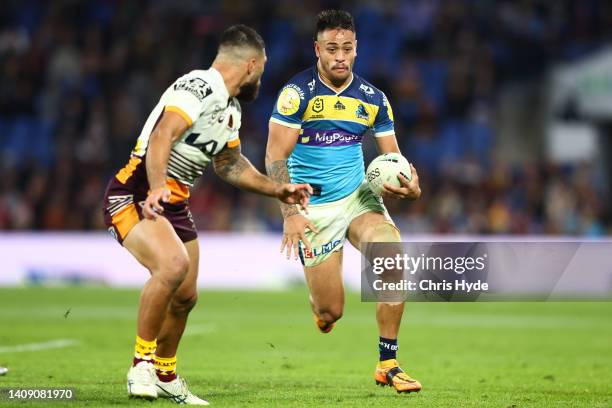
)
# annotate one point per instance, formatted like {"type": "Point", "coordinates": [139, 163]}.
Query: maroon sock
{"type": "Point", "coordinates": [139, 360]}
{"type": "Point", "coordinates": [166, 376]}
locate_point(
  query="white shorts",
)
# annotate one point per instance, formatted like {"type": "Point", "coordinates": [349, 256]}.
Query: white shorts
{"type": "Point", "coordinates": [333, 220]}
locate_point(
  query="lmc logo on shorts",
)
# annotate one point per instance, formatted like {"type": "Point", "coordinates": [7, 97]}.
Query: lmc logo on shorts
{"type": "Point", "coordinates": [324, 249]}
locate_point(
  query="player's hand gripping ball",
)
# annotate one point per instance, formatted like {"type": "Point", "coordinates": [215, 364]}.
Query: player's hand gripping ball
{"type": "Point", "coordinates": [384, 169]}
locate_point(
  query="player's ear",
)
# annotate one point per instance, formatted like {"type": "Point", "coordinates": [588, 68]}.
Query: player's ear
{"type": "Point", "coordinates": [355, 47]}
{"type": "Point", "coordinates": [251, 66]}
{"type": "Point", "coordinates": [317, 48]}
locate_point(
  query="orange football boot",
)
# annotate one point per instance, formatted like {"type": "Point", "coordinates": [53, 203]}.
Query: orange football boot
{"type": "Point", "coordinates": [388, 372]}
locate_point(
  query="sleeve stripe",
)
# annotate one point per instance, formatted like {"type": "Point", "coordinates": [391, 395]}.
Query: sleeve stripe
{"type": "Point", "coordinates": [385, 133]}
{"type": "Point", "coordinates": [288, 124]}
{"type": "Point", "coordinates": [233, 143]}
{"type": "Point", "coordinates": [181, 112]}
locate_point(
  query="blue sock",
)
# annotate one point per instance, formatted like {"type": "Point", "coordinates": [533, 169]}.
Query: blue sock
{"type": "Point", "coordinates": [387, 348]}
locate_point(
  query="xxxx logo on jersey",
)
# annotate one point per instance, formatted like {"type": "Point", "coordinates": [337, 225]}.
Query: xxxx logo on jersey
{"type": "Point", "coordinates": [288, 101]}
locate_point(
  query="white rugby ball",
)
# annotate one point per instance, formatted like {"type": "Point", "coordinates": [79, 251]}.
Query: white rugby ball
{"type": "Point", "coordinates": [384, 169]}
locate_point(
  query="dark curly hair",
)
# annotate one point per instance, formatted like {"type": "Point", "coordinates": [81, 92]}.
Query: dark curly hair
{"type": "Point", "coordinates": [330, 19]}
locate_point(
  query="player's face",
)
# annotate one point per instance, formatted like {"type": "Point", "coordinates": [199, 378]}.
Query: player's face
{"type": "Point", "coordinates": [336, 50]}
{"type": "Point", "coordinates": [250, 87]}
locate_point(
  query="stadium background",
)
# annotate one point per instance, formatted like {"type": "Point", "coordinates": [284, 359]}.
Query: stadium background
{"type": "Point", "coordinates": [504, 107]}
{"type": "Point", "coordinates": [467, 81]}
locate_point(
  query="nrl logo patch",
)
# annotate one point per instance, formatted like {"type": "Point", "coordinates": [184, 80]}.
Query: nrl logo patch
{"type": "Point", "coordinates": [317, 105]}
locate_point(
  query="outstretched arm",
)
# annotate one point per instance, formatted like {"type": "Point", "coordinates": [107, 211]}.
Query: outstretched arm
{"type": "Point", "coordinates": [237, 170]}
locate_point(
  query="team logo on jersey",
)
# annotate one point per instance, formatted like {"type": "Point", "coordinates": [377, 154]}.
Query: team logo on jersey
{"type": "Point", "coordinates": [288, 101]}
{"type": "Point", "coordinates": [218, 114]}
{"type": "Point", "coordinates": [317, 105]}
{"type": "Point", "coordinates": [195, 86]}
{"type": "Point", "coordinates": [362, 113]}
{"type": "Point", "coordinates": [339, 105]}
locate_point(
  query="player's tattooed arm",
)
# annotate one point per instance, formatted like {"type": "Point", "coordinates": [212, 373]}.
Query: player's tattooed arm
{"type": "Point", "coordinates": [277, 170]}
{"type": "Point", "coordinates": [281, 142]}
{"type": "Point", "coordinates": [230, 165]}
{"type": "Point", "coordinates": [236, 169]}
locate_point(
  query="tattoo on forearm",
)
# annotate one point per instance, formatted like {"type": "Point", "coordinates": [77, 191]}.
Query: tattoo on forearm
{"type": "Point", "coordinates": [277, 171]}
{"type": "Point", "coordinates": [229, 164]}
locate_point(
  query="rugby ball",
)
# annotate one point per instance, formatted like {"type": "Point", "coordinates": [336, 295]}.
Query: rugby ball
{"type": "Point", "coordinates": [384, 169]}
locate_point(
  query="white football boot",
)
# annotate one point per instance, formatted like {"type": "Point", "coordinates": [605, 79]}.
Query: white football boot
{"type": "Point", "coordinates": [141, 381]}
{"type": "Point", "coordinates": [3, 370]}
{"type": "Point", "coordinates": [177, 391]}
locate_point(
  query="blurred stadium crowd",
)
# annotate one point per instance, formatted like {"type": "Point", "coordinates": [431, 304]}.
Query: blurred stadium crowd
{"type": "Point", "coordinates": [78, 78]}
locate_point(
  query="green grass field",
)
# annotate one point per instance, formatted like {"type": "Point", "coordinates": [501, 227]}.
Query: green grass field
{"type": "Point", "coordinates": [262, 349]}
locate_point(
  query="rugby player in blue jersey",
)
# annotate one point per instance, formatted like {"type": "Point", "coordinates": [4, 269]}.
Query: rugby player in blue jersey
{"type": "Point", "coordinates": [315, 135]}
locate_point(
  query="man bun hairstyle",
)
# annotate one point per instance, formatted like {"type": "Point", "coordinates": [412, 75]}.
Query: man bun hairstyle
{"type": "Point", "coordinates": [332, 19]}
{"type": "Point", "coordinates": [241, 36]}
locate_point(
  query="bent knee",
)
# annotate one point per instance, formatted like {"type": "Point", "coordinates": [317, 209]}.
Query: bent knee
{"type": "Point", "coordinates": [174, 269]}
{"type": "Point", "coordinates": [330, 315]}
{"type": "Point", "coordinates": [184, 303]}
{"type": "Point", "coordinates": [384, 232]}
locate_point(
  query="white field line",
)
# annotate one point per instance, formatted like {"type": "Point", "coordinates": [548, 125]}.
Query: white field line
{"type": "Point", "coordinates": [46, 345]}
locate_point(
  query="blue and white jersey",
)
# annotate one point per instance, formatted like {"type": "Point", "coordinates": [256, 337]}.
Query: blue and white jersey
{"type": "Point", "coordinates": [328, 153]}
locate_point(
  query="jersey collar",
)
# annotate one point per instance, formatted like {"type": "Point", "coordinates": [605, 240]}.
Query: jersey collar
{"type": "Point", "coordinates": [332, 89]}
{"type": "Point", "coordinates": [219, 78]}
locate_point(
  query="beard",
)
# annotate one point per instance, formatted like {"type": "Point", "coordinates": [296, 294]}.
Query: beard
{"type": "Point", "coordinates": [248, 92]}
{"type": "Point", "coordinates": [338, 79]}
